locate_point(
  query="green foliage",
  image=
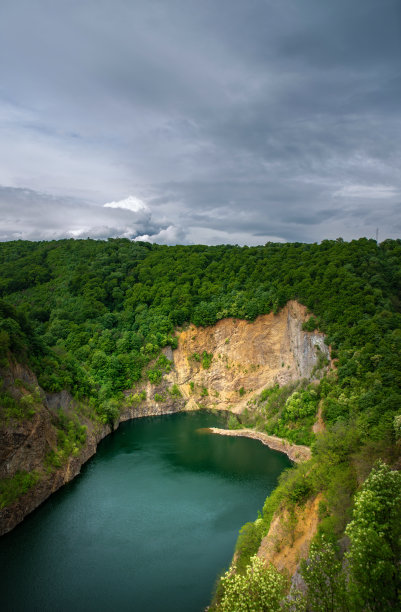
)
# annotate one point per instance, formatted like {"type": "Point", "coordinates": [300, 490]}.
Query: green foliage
{"type": "Point", "coordinates": [248, 543]}
{"type": "Point", "coordinates": [397, 426]}
{"type": "Point", "coordinates": [12, 488]}
{"type": "Point", "coordinates": [159, 397]}
{"type": "Point", "coordinates": [108, 411]}
{"type": "Point", "coordinates": [162, 366]}
{"type": "Point", "coordinates": [300, 404]}
{"type": "Point", "coordinates": [155, 376]}
{"type": "Point", "coordinates": [23, 407]}
{"type": "Point", "coordinates": [370, 579]}
{"type": "Point", "coordinates": [375, 534]}
{"type": "Point", "coordinates": [206, 360]}
{"type": "Point", "coordinates": [260, 588]}
{"type": "Point", "coordinates": [287, 412]}
{"type": "Point", "coordinates": [137, 398]}
{"type": "Point", "coordinates": [71, 436]}
{"type": "Point", "coordinates": [175, 391]}
{"type": "Point", "coordinates": [233, 422]}
{"type": "Point", "coordinates": [325, 579]}
{"type": "Point", "coordinates": [310, 325]}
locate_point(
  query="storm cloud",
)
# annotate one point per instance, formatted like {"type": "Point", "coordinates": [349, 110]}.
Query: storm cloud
{"type": "Point", "coordinates": [212, 122]}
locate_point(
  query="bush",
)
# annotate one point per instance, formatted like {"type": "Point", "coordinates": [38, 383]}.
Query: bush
{"type": "Point", "coordinates": [248, 542]}
{"type": "Point", "coordinates": [12, 488]}
{"type": "Point", "coordinates": [206, 360]}
{"type": "Point", "coordinates": [175, 391]}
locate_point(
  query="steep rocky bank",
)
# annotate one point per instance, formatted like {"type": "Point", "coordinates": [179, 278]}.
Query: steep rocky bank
{"type": "Point", "coordinates": [25, 444]}
{"type": "Point", "coordinates": [290, 535]}
{"type": "Point", "coordinates": [219, 367]}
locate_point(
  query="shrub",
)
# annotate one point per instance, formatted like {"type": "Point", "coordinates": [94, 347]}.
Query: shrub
{"type": "Point", "coordinates": [175, 391]}
{"type": "Point", "coordinates": [206, 360]}
{"type": "Point", "coordinates": [12, 488]}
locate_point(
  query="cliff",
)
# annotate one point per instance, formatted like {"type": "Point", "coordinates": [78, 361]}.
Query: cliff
{"type": "Point", "coordinates": [243, 358]}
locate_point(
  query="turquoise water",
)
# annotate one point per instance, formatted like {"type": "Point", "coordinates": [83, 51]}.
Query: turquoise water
{"type": "Point", "coordinates": [148, 524]}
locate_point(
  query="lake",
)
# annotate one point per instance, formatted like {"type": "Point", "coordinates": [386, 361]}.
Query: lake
{"type": "Point", "coordinates": [148, 525]}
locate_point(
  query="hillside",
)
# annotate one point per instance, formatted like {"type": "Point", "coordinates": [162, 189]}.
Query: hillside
{"type": "Point", "coordinates": [95, 332]}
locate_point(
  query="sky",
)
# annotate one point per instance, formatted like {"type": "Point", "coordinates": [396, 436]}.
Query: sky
{"type": "Point", "coordinates": [200, 121]}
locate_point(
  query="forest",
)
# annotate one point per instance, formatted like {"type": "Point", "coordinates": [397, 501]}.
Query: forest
{"type": "Point", "coordinates": [90, 316]}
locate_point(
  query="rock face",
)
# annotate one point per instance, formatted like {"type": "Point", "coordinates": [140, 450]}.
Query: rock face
{"type": "Point", "coordinates": [25, 443]}
{"type": "Point", "coordinates": [246, 358]}
{"type": "Point", "coordinates": [290, 535]}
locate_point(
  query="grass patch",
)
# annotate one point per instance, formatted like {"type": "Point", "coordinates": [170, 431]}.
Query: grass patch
{"type": "Point", "coordinates": [12, 488]}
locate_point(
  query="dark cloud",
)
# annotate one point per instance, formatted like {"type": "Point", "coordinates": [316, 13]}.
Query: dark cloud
{"type": "Point", "coordinates": [232, 121]}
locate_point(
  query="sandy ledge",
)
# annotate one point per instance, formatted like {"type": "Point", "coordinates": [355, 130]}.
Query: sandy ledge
{"type": "Point", "coordinates": [296, 452]}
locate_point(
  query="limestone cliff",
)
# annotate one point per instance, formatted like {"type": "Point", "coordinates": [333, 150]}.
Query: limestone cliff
{"type": "Point", "coordinates": [245, 358]}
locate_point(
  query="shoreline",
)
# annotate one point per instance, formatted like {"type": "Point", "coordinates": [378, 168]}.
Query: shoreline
{"type": "Point", "coordinates": [296, 452]}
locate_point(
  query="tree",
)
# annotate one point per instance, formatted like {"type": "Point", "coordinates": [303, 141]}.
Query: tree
{"type": "Point", "coordinates": [324, 578]}
{"type": "Point", "coordinates": [375, 532]}
{"type": "Point", "coordinates": [260, 589]}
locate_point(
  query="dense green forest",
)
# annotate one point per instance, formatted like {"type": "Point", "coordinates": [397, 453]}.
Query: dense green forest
{"type": "Point", "coordinates": [89, 316]}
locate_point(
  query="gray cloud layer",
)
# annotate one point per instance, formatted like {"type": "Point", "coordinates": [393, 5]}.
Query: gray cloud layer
{"type": "Point", "coordinates": [232, 121]}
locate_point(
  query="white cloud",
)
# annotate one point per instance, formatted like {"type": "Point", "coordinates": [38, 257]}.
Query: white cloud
{"type": "Point", "coordinates": [171, 235]}
{"type": "Point", "coordinates": [131, 203]}
{"type": "Point", "coordinates": [367, 191]}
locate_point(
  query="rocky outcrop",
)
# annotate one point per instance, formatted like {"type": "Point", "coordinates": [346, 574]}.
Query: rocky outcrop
{"type": "Point", "coordinates": [295, 452]}
{"type": "Point", "coordinates": [245, 358]}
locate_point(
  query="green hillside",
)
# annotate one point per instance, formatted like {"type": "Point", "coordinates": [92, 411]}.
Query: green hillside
{"type": "Point", "coordinates": [88, 316]}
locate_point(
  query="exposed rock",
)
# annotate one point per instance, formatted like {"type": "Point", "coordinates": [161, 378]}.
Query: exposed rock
{"type": "Point", "coordinates": [246, 358]}
{"type": "Point", "coordinates": [295, 452]}
{"type": "Point", "coordinates": [319, 426]}
{"type": "Point", "coordinates": [290, 535]}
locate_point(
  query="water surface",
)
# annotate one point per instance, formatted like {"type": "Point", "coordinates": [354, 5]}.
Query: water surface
{"type": "Point", "coordinates": [146, 527]}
